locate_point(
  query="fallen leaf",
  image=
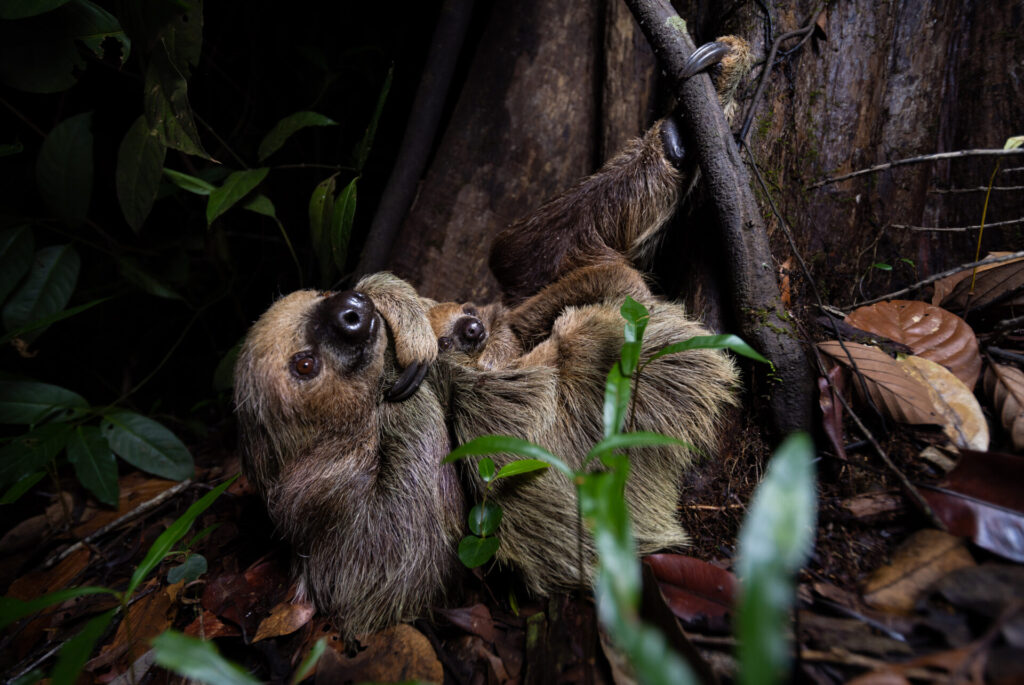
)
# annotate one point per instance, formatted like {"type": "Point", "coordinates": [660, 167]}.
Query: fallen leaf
{"type": "Point", "coordinates": [929, 331]}
{"type": "Point", "coordinates": [246, 598]}
{"type": "Point", "coordinates": [285, 619]}
{"type": "Point", "coordinates": [937, 458]}
{"type": "Point", "coordinates": [135, 488]}
{"type": "Point", "coordinates": [963, 661]}
{"type": "Point", "coordinates": [990, 526]}
{"type": "Point", "coordinates": [986, 590]}
{"type": "Point", "coordinates": [964, 423]}
{"type": "Point", "coordinates": [396, 654]}
{"type": "Point", "coordinates": [36, 584]}
{"type": "Point", "coordinates": [922, 559]}
{"type": "Point", "coordinates": [1004, 384]}
{"type": "Point", "coordinates": [208, 626]}
{"type": "Point", "coordinates": [872, 504]}
{"type": "Point", "coordinates": [991, 476]}
{"type": "Point", "coordinates": [832, 410]}
{"type": "Point", "coordinates": [697, 592]}
{"type": "Point", "coordinates": [474, 619]}
{"type": "Point", "coordinates": [150, 615]}
{"type": "Point", "coordinates": [990, 285]}
{"type": "Point", "coordinates": [944, 287]}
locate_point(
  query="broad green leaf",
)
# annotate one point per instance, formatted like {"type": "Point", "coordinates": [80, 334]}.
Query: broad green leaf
{"type": "Point", "coordinates": [50, 283]}
{"type": "Point", "coordinates": [485, 467]}
{"type": "Point", "coordinates": [475, 551]}
{"type": "Point", "coordinates": [774, 542]}
{"type": "Point", "coordinates": [16, 249]}
{"type": "Point", "coordinates": [362, 151]}
{"type": "Point", "coordinates": [140, 163]}
{"type": "Point", "coordinates": [31, 402]}
{"type": "Point", "coordinates": [882, 266]}
{"type": "Point", "coordinates": [94, 462]}
{"type": "Point", "coordinates": [137, 275]}
{"type": "Point", "coordinates": [23, 331]}
{"type": "Point", "coordinates": [261, 204]}
{"type": "Point", "coordinates": [19, 9]}
{"type": "Point", "coordinates": [236, 186]}
{"type": "Point", "coordinates": [285, 128]}
{"type": "Point", "coordinates": [12, 609]}
{"type": "Point", "coordinates": [520, 466]}
{"type": "Point", "coordinates": [712, 342]}
{"type": "Point", "coordinates": [74, 653]}
{"type": "Point", "coordinates": [497, 444]}
{"type": "Point", "coordinates": [636, 316]}
{"type": "Point", "coordinates": [177, 48]}
{"type": "Point", "coordinates": [625, 441]}
{"type": "Point", "coordinates": [197, 660]}
{"type": "Point", "coordinates": [485, 518]}
{"type": "Point", "coordinates": [190, 570]}
{"type": "Point", "coordinates": [1013, 143]}
{"type": "Point", "coordinates": [147, 445]}
{"type": "Point", "coordinates": [165, 542]}
{"type": "Point", "coordinates": [188, 183]}
{"type": "Point", "coordinates": [23, 485]}
{"type": "Point", "coordinates": [321, 209]}
{"type": "Point", "coordinates": [31, 452]}
{"type": "Point", "coordinates": [224, 374]}
{"type": "Point", "coordinates": [64, 168]}
{"type": "Point", "coordinates": [343, 214]}
{"type": "Point", "coordinates": [616, 401]}
{"type": "Point", "coordinates": [93, 25]}
{"type": "Point", "coordinates": [306, 667]}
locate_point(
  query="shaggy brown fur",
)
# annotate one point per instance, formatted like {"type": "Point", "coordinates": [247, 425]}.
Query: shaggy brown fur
{"type": "Point", "coordinates": [356, 482]}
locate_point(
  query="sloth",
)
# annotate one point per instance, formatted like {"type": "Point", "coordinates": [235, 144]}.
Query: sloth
{"type": "Point", "coordinates": [346, 408]}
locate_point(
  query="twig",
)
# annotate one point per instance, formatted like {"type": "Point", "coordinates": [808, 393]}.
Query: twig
{"type": "Point", "coordinates": [420, 131]}
{"type": "Point", "coordinates": [940, 276]}
{"type": "Point", "coordinates": [917, 160]}
{"type": "Point", "coordinates": [959, 229]}
{"type": "Point", "coordinates": [130, 516]}
{"type": "Point", "coordinates": [979, 189]}
{"type": "Point", "coordinates": [715, 507]}
{"type": "Point", "coordinates": [1008, 324]}
{"type": "Point", "coordinates": [1006, 354]}
{"type": "Point", "coordinates": [1013, 168]}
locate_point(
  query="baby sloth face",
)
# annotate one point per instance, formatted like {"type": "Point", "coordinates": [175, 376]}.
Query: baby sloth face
{"type": "Point", "coordinates": [458, 328]}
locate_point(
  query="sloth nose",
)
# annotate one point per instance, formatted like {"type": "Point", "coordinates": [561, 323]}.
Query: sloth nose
{"type": "Point", "coordinates": [350, 315]}
{"type": "Point", "coordinates": [472, 330]}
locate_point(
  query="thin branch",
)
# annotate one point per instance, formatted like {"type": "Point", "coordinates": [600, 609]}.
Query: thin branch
{"type": "Point", "coordinates": [916, 160]}
{"type": "Point", "coordinates": [979, 189]}
{"type": "Point", "coordinates": [1008, 324]}
{"type": "Point", "coordinates": [1006, 354]}
{"type": "Point", "coordinates": [959, 229]}
{"type": "Point", "coordinates": [939, 277]}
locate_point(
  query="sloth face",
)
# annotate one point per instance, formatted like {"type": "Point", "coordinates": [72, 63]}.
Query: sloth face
{"type": "Point", "coordinates": [458, 328]}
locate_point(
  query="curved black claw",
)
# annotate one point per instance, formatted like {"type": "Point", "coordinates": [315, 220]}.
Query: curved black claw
{"type": "Point", "coordinates": [705, 56]}
{"type": "Point", "coordinates": [408, 383]}
{"type": "Point", "coordinates": [672, 141]}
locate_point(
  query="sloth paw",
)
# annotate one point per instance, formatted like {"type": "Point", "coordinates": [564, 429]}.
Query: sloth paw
{"type": "Point", "coordinates": [672, 141]}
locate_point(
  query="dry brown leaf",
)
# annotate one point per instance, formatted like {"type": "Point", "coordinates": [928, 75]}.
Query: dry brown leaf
{"type": "Point", "coordinates": [285, 619]}
{"type": "Point", "coordinates": [36, 584]}
{"type": "Point", "coordinates": [930, 331]}
{"type": "Point", "coordinates": [916, 391]}
{"type": "Point", "coordinates": [135, 488]}
{"type": "Point", "coordinates": [945, 286]}
{"type": "Point", "coordinates": [1005, 386]}
{"type": "Point", "coordinates": [149, 616]}
{"type": "Point", "coordinates": [872, 504]}
{"type": "Point", "coordinates": [989, 285]}
{"type": "Point", "coordinates": [400, 653]}
{"type": "Point", "coordinates": [924, 558]}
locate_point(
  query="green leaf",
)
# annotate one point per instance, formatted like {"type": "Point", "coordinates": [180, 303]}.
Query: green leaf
{"type": "Point", "coordinates": [362, 151]}
{"type": "Point", "coordinates": [140, 162]}
{"type": "Point", "coordinates": [882, 266]}
{"type": "Point", "coordinates": [193, 567]}
{"type": "Point", "coordinates": [45, 321]}
{"type": "Point", "coordinates": [30, 678]}
{"type": "Point", "coordinates": [224, 374]}
{"type": "Point", "coordinates": [137, 275]}
{"type": "Point", "coordinates": [908, 262]}
{"type": "Point", "coordinates": [342, 217]}
{"type": "Point", "coordinates": [712, 342]}
{"type": "Point", "coordinates": [497, 444]}
{"type": "Point", "coordinates": [321, 209]}
{"type": "Point", "coordinates": [306, 667]}
{"type": "Point", "coordinates": [90, 454]}
{"type": "Point", "coordinates": [177, 47]}
{"type": "Point", "coordinates": [16, 249]}
{"type": "Point", "coordinates": [64, 168]}
{"type": "Point", "coordinates": [520, 466]}
{"type": "Point", "coordinates": [74, 653]}
{"type": "Point", "coordinates": [32, 451]}
{"type": "Point", "coordinates": [636, 316]}
{"type": "Point", "coordinates": [147, 445]}
{"type": "Point", "coordinates": [485, 467]}
{"type": "Point", "coordinates": [484, 518]}
{"type": "Point", "coordinates": [236, 186]}
{"type": "Point", "coordinates": [625, 441]}
{"type": "Point", "coordinates": [261, 204]}
{"type": "Point", "coordinates": [23, 485]}
{"type": "Point", "coordinates": [30, 402]}
{"type": "Point", "coordinates": [50, 283]}
{"type": "Point", "coordinates": [94, 25]}
{"type": "Point", "coordinates": [19, 9]}
{"type": "Point", "coordinates": [474, 551]}
{"type": "Point", "coordinates": [1013, 143]}
{"type": "Point", "coordinates": [12, 609]}
{"type": "Point", "coordinates": [288, 126]}
{"type": "Point", "coordinates": [197, 660]}
{"type": "Point", "coordinates": [616, 401]}
{"type": "Point", "coordinates": [774, 542]}
{"type": "Point", "coordinates": [188, 183]}
{"type": "Point", "coordinates": [163, 545]}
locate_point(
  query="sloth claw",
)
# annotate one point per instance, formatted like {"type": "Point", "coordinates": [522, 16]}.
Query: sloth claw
{"type": "Point", "coordinates": [705, 56]}
{"type": "Point", "coordinates": [672, 141]}
{"type": "Point", "coordinates": [408, 383]}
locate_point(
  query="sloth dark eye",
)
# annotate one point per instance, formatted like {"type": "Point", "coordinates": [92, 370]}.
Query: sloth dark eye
{"type": "Point", "coordinates": [305, 365]}
{"type": "Point", "coordinates": [470, 309]}
{"type": "Point", "coordinates": [444, 343]}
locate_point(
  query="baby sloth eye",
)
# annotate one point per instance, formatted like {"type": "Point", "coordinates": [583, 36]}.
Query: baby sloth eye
{"type": "Point", "coordinates": [305, 365]}
{"type": "Point", "coordinates": [444, 343]}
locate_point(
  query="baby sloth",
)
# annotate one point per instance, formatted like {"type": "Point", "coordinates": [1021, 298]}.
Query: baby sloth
{"type": "Point", "coordinates": [346, 408]}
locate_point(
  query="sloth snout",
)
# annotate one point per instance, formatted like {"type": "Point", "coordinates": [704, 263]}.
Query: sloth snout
{"type": "Point", "coordinates": [470, 330]}
{"type": "Point", "coordinates": [350, 316]}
